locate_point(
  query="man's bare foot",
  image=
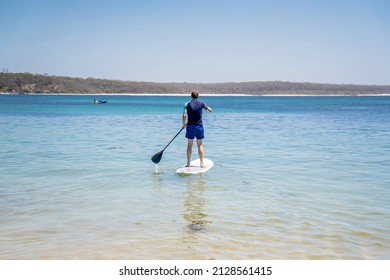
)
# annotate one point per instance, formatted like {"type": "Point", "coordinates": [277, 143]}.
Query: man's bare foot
{"type": "Point", "coordinates": [202, 165]}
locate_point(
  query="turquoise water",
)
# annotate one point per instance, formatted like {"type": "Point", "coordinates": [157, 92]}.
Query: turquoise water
{"type": "Point", "coordinates": [294, 178]}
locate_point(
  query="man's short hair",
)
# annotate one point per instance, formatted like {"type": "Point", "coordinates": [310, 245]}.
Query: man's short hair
{"type": "Point", "coordinates": [195, 94]}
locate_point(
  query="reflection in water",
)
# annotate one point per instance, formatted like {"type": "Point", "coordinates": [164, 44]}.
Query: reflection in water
{"type": "Point", "coordinates": [194, 208]}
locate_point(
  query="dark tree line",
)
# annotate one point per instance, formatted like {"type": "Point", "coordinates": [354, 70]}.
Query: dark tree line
{"type": "Point", "coordinates": [24, 83]}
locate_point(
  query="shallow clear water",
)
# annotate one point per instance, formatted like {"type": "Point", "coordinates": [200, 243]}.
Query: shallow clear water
{"type": "Point", "coordinates": [294, 178]}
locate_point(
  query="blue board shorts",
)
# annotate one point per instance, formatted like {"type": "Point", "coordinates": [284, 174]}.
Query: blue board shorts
{"type": "Point", "coordinates": [195, 131]}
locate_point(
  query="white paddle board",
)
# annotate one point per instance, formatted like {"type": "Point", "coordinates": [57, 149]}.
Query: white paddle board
{"type": "Point", "coordinates": [195, 168]}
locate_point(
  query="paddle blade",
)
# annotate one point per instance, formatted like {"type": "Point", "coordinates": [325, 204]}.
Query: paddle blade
{"type": "Point", "coordinates": [157, 157]}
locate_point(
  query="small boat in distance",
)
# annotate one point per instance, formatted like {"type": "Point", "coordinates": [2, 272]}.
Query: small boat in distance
{"type": "Point", "coordinates": [98, 101]}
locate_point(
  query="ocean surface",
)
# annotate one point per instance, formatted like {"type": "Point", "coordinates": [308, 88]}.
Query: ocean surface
{"type": "Point", "coordinates": [294, 178]}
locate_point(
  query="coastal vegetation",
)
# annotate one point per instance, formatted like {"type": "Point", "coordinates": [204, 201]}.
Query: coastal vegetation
{"type": "Point", "coordinates": [28, 83]}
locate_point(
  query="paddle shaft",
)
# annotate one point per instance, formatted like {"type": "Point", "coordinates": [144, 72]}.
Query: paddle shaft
{"type": "Point", "coordinates": [157, 157]}
{"type": "Point", "coordinates": [172, 139]}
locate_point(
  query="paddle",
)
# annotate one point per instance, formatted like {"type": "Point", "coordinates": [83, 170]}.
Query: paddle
{"type": "Point", "coordinates": [157, 157]}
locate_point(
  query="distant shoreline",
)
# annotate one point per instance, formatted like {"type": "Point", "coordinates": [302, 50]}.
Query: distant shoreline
{"type": "Point", "coordinates": [204, 94]}
{"type": "Point", "coordinates": [28, 83]}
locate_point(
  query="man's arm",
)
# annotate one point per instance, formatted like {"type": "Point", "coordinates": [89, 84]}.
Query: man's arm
{"type": "Point", "coordinates": [207, 107]}
{"type": "Point", "coordinates": [184, 118]}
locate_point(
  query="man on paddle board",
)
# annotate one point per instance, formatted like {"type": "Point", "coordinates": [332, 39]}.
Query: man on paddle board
{"type": "Point", "coordinates": [193, 109]}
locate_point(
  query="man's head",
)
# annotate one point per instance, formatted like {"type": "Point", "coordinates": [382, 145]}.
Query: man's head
{"type": "Point", "coordinates": [195, 94]}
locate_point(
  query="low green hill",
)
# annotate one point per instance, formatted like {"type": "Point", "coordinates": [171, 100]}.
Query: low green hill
{"type": "Point", "coordinates": [25, 83]}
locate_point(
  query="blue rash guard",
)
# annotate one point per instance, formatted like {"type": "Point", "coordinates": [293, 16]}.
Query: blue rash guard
{"type": "Point", "coordinates": [193, 109]}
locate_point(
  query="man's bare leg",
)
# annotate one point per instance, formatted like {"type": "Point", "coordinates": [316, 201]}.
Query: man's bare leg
{"type": "Point", "coordinates": [200, 151]}
{"type": "Point", "coordinates": [189, 151]}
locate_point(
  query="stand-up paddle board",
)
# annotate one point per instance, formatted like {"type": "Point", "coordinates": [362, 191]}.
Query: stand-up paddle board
{"type": "Point", "coordinates": [195, 168]}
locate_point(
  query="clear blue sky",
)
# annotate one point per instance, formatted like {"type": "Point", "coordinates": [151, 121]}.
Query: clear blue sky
{"type": "Point", "coordinates": [333, 41]}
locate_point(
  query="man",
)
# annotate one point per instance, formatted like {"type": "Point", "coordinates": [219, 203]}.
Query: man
{"type": "Point", "coordinates": [194, 125]}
